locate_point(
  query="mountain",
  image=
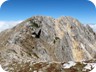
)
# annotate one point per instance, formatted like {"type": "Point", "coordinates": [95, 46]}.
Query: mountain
{"type": "Point", "coordinates": [45, 39]}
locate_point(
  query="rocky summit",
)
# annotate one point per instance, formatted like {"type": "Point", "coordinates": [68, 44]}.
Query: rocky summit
{"type": "Point", "coordinates": [45, 39]}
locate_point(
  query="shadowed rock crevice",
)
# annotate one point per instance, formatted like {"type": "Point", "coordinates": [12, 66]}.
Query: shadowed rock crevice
{"type": "Point", "coordinates": [36, 35]}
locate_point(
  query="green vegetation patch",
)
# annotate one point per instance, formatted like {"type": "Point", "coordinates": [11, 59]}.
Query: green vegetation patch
{"type": "Point", "coordinates": [34, 24]}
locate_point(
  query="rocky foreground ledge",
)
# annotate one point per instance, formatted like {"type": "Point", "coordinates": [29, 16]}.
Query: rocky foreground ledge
{"type": "Point", "coordinates": [45, 39]}
{"type": "Point", "coordinates": [84, 66]}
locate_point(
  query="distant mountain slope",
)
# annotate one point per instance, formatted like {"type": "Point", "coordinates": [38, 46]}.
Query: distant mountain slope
{"type": "Point", "coordinates": [43, 38]}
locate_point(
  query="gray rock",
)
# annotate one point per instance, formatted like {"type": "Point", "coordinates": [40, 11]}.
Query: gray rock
{"type": "Point", "coordinates": [63, 39]}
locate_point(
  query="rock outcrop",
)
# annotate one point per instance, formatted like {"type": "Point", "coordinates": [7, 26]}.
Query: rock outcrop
{"type": "Point", "coordinates": [43, 38]}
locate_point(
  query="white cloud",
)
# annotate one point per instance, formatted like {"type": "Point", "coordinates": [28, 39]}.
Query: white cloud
{"type": "Point", "coordinates": [8, 24]}
{"type": "Point", "coordinates": [93, 26]}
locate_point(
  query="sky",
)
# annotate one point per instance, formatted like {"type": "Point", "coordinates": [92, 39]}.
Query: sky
{"type": "Point", "coordinates": [18, 10]}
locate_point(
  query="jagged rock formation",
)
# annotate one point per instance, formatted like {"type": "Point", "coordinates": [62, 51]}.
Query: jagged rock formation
{"type": "Point", "coordinates": [43, 38]}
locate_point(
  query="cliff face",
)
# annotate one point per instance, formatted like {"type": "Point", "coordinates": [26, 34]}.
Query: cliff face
{"type": "Point", "coordinates": [42, 38]}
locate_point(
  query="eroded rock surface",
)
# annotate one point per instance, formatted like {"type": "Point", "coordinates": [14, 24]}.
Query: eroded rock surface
{"type": "Point", "coordinates": [43, 38]}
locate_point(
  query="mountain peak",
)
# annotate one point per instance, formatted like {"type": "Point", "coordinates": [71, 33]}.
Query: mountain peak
{"type": "Point", "coordinates": [43, 38]}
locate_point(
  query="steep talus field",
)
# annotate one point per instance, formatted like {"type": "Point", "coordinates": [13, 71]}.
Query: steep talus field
{"type": "Point", "coordinates": [45, 39]}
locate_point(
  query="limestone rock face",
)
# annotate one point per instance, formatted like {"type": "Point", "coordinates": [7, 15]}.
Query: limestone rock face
{"type": "Point", "coordinates": [43, 38]}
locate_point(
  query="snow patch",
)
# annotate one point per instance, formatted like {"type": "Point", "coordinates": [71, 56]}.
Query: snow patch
{"type": "Point", "coordinates": [69, 64]}
{"type": "Point", "coordinates": [90, 65]}
{"type": "Point", "coordinates": [94, 70]}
